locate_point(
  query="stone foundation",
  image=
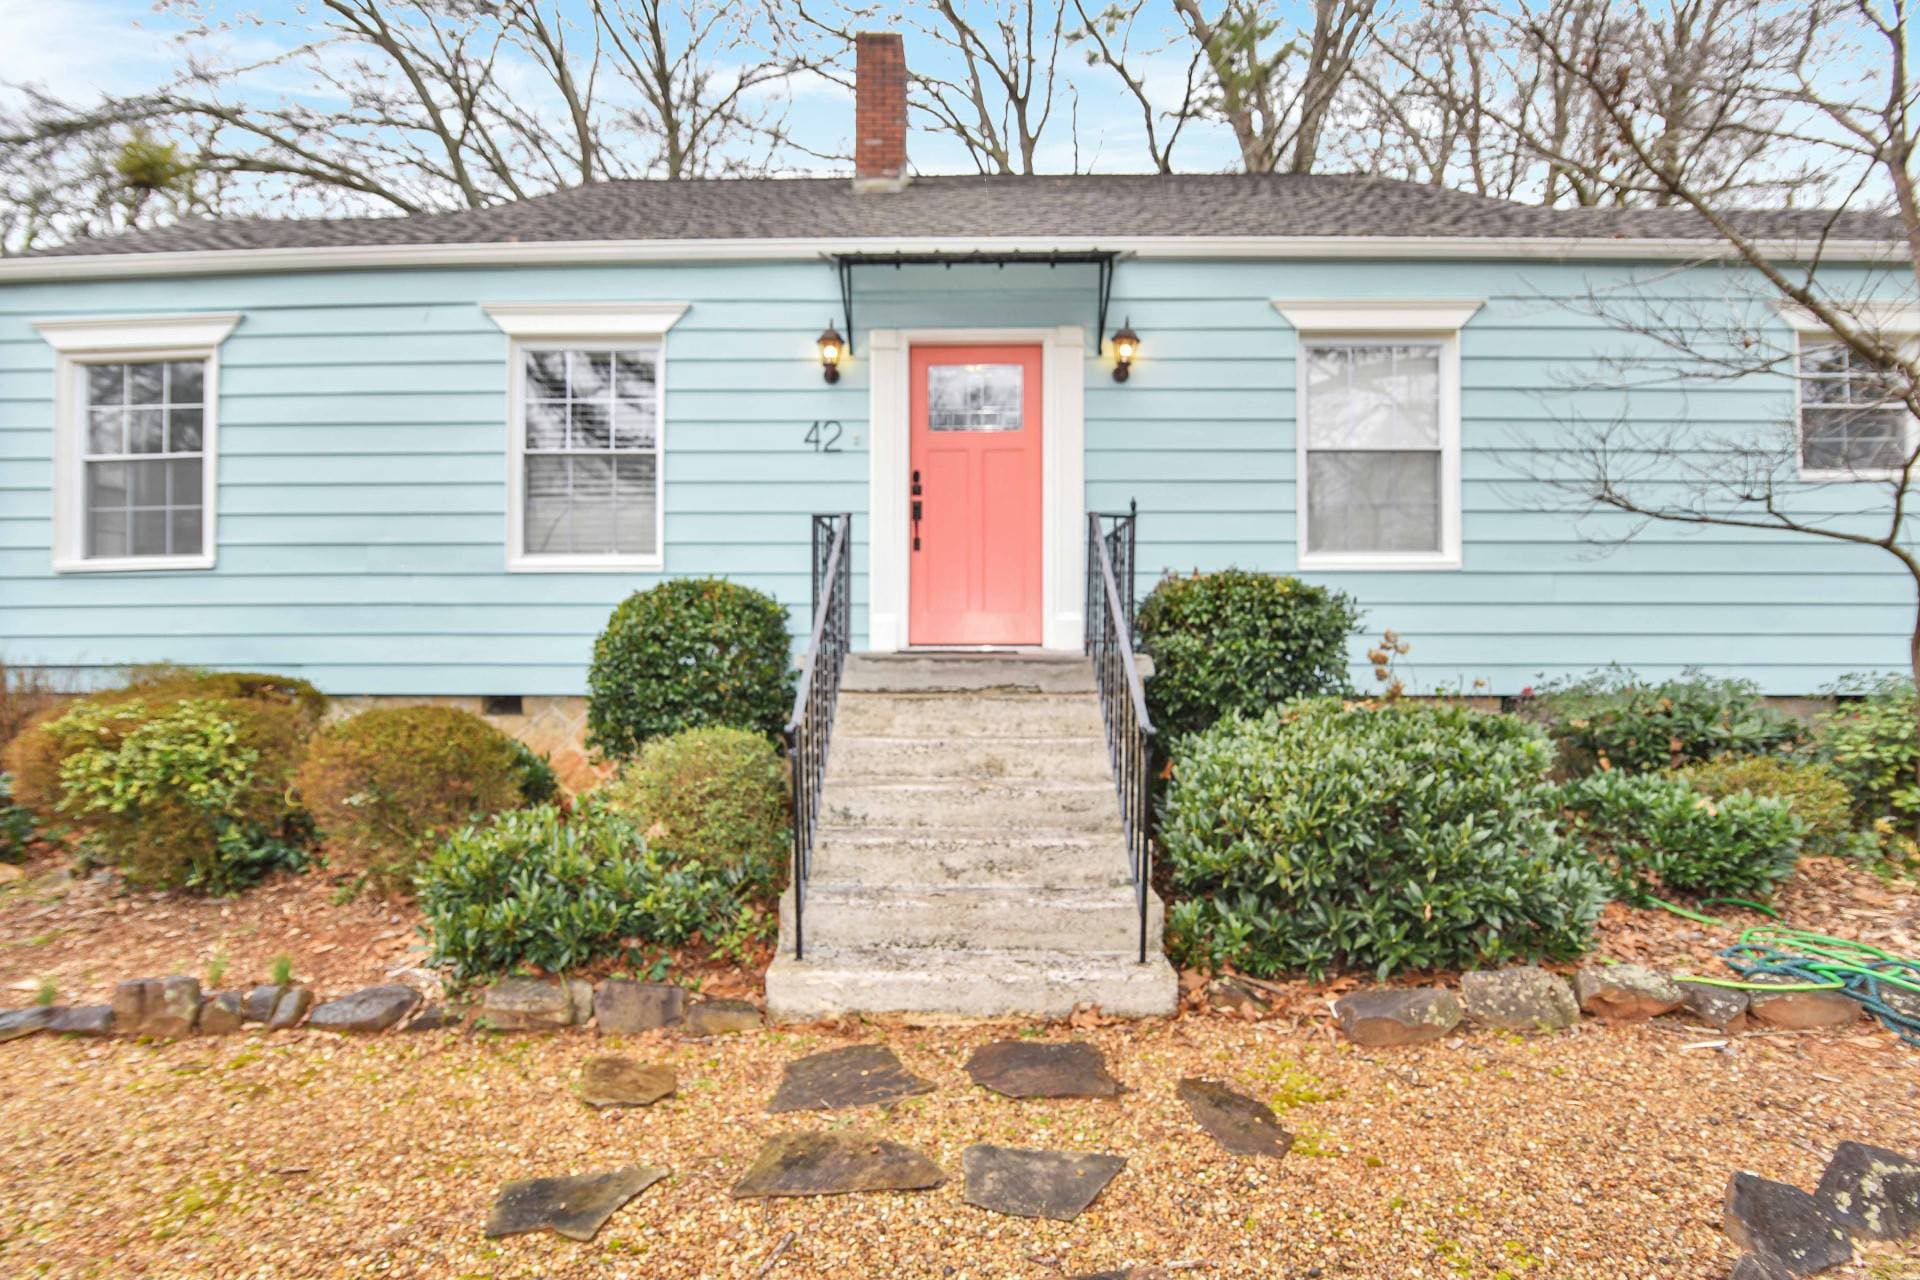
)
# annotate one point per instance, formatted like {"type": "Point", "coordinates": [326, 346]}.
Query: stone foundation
{"type": "Point", "coordinates": [556, 727]}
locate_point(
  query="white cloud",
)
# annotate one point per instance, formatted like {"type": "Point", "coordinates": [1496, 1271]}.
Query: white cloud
{"type": "Point", "coordinates": [82, 48]}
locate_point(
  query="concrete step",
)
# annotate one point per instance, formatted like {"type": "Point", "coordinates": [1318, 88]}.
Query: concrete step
{"type": "Point", "coordinates": [904, 857]}
{"type": "Point", "coordinates": [962, 672]}
{"type": "Point", "coordinates": [1009, 806]}
{"type": "Point", "coordinates": [1004, 918]}
{"type": "Point", "coordinates": [867, 757]}
{"type": "Point", "coordinates": [969, 982]}
{"type": "Point", "coordinates": [967, 715]}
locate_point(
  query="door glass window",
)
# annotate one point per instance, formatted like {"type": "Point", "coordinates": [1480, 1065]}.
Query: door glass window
{"type": "Point", "coordinates": [974, 397]}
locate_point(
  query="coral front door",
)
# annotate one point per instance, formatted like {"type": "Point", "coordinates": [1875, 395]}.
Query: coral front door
{"type": "Point", "coordinates": [974, 500]}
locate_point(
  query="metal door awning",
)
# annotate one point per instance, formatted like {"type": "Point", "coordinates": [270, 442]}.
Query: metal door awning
{"type": "Point", "coordinates": [1104, 259]}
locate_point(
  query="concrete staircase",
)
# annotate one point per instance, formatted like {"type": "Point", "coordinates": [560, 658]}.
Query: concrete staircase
{"type": "Point", "coordinates": [970, 859]}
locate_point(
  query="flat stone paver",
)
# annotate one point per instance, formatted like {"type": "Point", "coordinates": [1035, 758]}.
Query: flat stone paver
{"type": "Point", "coordinates": [572, 1207]}
{"type": "Point", "coordinates": [831, 1164]}
{"type": "Point", "coordinates": [614, 1081]}
{"type": "Point", "coordinates": [1025, 1183]}
{"type": "Point", "coordinates": [1243, 1125]}
{"type": "Point", "coordinates": [859, 1075]}
{"type": "Point", "coordinates": [1032, 1069]}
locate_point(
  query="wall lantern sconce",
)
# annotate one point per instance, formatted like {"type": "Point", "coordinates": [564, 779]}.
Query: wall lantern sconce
{"type": "Point", "coordinates": [1125, 344]}
{"type": "Point", "coordinates": [831, 346]}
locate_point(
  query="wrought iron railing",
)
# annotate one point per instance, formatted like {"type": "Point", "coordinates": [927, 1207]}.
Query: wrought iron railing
{"type": "Point", "coordinates": [810, 727]}
{"type": "Point", "coordinates": [1123, 699]}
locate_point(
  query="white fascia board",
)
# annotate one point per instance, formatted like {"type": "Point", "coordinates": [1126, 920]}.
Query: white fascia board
{"type": "Point", "coordinates": [610, 321]}
{"type": "Point", "coordinates": [1378, 315]}
{"type": "Point", "coordinates": [91, 335]}
{"type": "Point", "coordinates": [614, 252]}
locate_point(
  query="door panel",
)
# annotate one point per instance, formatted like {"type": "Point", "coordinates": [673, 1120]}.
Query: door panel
{"type": "Point", "coordinates": [976, 437]}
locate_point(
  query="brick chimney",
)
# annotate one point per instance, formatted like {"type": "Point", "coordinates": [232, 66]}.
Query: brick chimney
{"type": "Point", "coordinates": [880, 112]}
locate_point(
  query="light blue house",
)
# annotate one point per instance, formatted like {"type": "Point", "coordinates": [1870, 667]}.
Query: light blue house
{"type": "Point", "coordinates": [426, 456]}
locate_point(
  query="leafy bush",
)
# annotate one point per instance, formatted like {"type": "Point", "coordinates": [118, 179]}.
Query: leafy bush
{"type": "Point", "coordinates": [1873, 745]}
{"type": "Point", "coordinates": [716, 794]}
{"type": "Point", "coordinates": [1813, 791]}
{"type": "Point", "coordinates": [534, 773]}
{"type": "Point", "coordinates": [164, 681]}
{"type": "Point", "coordinates": [1613, 720]}
{"type": "Point", "coordinates": [533, 888]}
{"type": "Point", "coordinates": [18, 827]}
{"type": "Point", "coordinates": [385, 783]}
{"type": "Point", "coordinates": [1240, 642]}
{"type": "Point", "coordinates": [689, 652]}
{"type": "Point", "coordinates": [184, 793]}
{"type": "Point", "coordinates": [1367, 835]}
{"type": "Point", "coordinates": [1654, 832]}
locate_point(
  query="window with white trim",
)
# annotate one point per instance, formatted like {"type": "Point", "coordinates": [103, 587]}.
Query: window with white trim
{"type": "Point", "coordinates": [134, 408]}
{"type": "Point", "coordinates": [1853, 422]}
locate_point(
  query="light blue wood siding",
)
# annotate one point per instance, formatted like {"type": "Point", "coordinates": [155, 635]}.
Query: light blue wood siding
{"type": "Point", "coordinates": [363, 489]}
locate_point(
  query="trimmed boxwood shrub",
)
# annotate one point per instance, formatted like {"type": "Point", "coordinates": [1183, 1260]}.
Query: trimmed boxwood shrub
{"type": "Point", "coordinates": [716, 794]}
{"type": "Point", "coordinates": [539, 888]}
{"type": "Point", "coordinates": [1873, 745]}
{"type": "Point", "coordinates": [1653, 833]}
{"type": "Point", "coordinates": [1812, 790]}
{"type": "Point", "coordinates": [1381, 836]}
{"type": "Point", "coordinates": [689, 652]}
{"type": "Point", "coordinates": [384, 784]}
{"type": "Point", "coordinates": [1612, 719]}
{"type": "Point", "coordinates": [1240, 642]}
{"type": "Point", "coordinates": [163, 681]}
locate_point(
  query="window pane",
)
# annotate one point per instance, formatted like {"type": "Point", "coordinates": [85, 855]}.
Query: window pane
{"type": "Point", "coordinates": [546, 514]}
{"type": "Point", "coordinates": [592, 374]}
{"type": "Point", "coordinates": [975, 397]}
{"type": "Point", "coordinates": [146, 383]}
{"type": "Point", "coordinates": [106, 484]}
{"type": "Point", "coordinates": [106, 384]}
{"type": "Point", "coordinates": [148, 536]}
{"type": "Point", "coordinates": [592, 426]}
{"type": "Point", "coordinates": [546, 424]}
{"type": "Point", "coordinates": [592, 505]}
{"type": "Point", "coordinates": [635, 377]}
{"type": "Point", "coordinates": [633, 425]}
{"type": "Point", "coordinates": [106, 431]}
{"type": "Point", "coordinates": [149, 483]}
{"type": "Point", "coordinates": [1373, 501]}
{"type": "Point", "coordinates": [183, 532]}
{"type": "Point", "coordinates": [1373, 396]}
{"type": "Point", "coordinates": [146, 430]}
{"type": "Point", "coordinates": [183, 430]}
{"type": "Point", "coordinates": [186, 381]}
{"type": "Point", "coordinates": [1845, 439]}
{"type": "Point", "coordinates": [107, 532]}
{"type": "Point", "coordinates": [546, 375]}
{"type": "Point", "coordinates": [635, 498]}
{"type": "Point", "coordinates": [184, 488]}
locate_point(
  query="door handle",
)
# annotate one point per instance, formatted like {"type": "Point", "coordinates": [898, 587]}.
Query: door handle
{"type": "Point", "coordinates": [916, 509]}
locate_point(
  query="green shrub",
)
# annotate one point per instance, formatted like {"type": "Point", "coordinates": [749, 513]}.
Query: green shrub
{"type": "Point", "coordinates": [1813, 791]}
{"type": "Point", "coordinates": [386, 783]}
{"type": "Point", "coordinates": [187, 793]}
{"type": "Point", "coordinates": [1873, 745]}
{"type": "Point", "coordinates": [1614, 720]}
{"type": "Point", "coordinates": [534, 774]}
{"type": "Point", "coordinates": [535, 888]}
{"type": "Point", "coordinates": [716, 794]}
{"type": "Point", "coordinates": [19, 829]}
{"type": "Point", "coordinates": [165, 681]}
{"type": "Point", "coordinates": [1240, 642]}
{"type": "Point", "coordinates": [689, 652]}
{"type": "Point", "coordinates": [1371, 836]}
{"type": "Point", "coordinates": [1654, 833]}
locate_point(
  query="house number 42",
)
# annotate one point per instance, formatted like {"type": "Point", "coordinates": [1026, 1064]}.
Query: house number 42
{"type": "Point", "coordinates": [824, 436]}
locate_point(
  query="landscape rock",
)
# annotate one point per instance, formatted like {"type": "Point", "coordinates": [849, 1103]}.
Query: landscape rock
{"type": "Point", "coordinates": [1873, 1193]}
{"type": "Point", "coordinates": [1243, 1125]}
{"type": "Point", "coordinates": [82, 1020]}
{"type": "Point", "coordinates": [435, 1017]}
{"type": "Point", "coordinates": [859, 1075]}
{"type": "Point", "coordinates": [1129, 1273]}
{"type": "Point", "coordinates": [1036, 1184]}
{"type": "Point", "coordinates": [1524, 998]}
{"type": "Point", "coordinates": [722, 1017]}
{"type": "Point", "coordinates": [220, 1014]}
{"type": "Point", "coordinates": [1032, 1069]}
{"type": "Point", "coordinates": [572, 1207]}
{"type": "Point", "coordinates": [622, 1007]}
{"type": "Point", "coordinates": [431, 986]}
{"type": "Point", "coordinates": [1396, 1016]}
{"type": "Point", "coordinates": [289, 1008]}
{"type": "Point", "coordinates": [1784, 1223]}
{"type": "Point", "coordinates": [17, 1023]}
{"type": "Point", "coordinates": [367, 1010]}
{"type": "Point", "coordinates": [1230, 995]}
{"type": "Point", "coordinates": [257, 1004]}
{"type": "Point", "coordinates": [826, 1164]}
{"type": "Point", "coordinates": [158, 1008]}
{"type": "Point", "coordinates": [1721, 1007]}
{"type": "Point", "coordinates": [1757, 1266]}
{"type": "Point", "coordinates": [1800, 1010]}
{"type": "Point", "coordinates": [530, 1004]}
{"type": "Point", "coordinates": [1625, 992]}
{"type": "Point", "coordinates": [621, 1082]}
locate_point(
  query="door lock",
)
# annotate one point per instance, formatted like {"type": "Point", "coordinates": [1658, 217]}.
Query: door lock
{"type": "Point", "coordinates": [916, 510]}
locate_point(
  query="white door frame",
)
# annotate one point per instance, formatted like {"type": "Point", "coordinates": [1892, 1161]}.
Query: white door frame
{"type": "Point", "coordinates": [1063, 493]}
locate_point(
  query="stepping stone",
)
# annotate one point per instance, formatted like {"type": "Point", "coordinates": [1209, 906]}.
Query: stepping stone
{"type": "Point", "coordinates": [1030, 1069]}
{"type": "Point", "coordinates": [1721, 1007]}
{"type": "Point", "coordinates": [1784, 1223]}
{"type": "Point", "coordinates": [221, 1015]}
{"type": "Point", "coordinates": [1036, 1184]}
{"type": "Point", "coordinates": [1757, 1266]}
{"type": "Point", "coordinates": [722, 1017]}
{"type": "Point", "coordinates": [16, 1023]}
{"type": "Point", "coordinates": [622, 1082]}
{"type": "Point", "coordinates": [1243, 1125]}
{"type": "Point", "coordinates": [1625, 992]}
{"type": "Point", "coordinates": [573, 1207]}
{"type": "Point", "coordinates": [1519, 999]}
{"type": "Point", "coordinates": [1873, 1193]}
{"type": "Point", "coordinates": [1392, 1017]}
{"type": "Point", "coordinates": [536, 1004]}
{"type": "Point", "coordinates": [1801, 1010]}
{"type": "Point", "coordinates": [831, 1164]}
{"type": "Point", "coordinates": [367, 1010]}
{"type": "Point", "coordinates": [859, 1075]}
{"type": "Point", "coordinates": [82, 1020]}
{"type": "Point", "coordinates": [624, 1008]}
{"type": "Point", "coordinates": [158, 1008]}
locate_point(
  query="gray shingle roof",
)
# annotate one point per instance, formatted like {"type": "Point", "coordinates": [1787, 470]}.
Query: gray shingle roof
{"type": "Point", "coordinates": [1102, 205]}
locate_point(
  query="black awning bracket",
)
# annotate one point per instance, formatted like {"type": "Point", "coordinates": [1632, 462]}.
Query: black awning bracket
{"type": "Point", "coordinates": [1103, 259]}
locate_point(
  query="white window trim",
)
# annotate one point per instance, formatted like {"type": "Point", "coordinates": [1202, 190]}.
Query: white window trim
{"type": "Point", "coordinates": [1372, 320]}
{"type": "Point", "coordinates": [91, 340]}
{"type": "Point", "coordinates": [539, 326]}
{"type": "Point", "coordinates": [1892, 320]}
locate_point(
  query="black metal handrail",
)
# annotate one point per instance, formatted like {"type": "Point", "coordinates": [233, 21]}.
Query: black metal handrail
{"type": "Point", "coordinates": [811, 725]}
{"type": "Point", "coordinates": [1123, 698]}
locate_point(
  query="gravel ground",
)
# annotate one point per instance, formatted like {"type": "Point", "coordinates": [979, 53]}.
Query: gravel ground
{"type": "Point", "coordinates": [1600, 1152]}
